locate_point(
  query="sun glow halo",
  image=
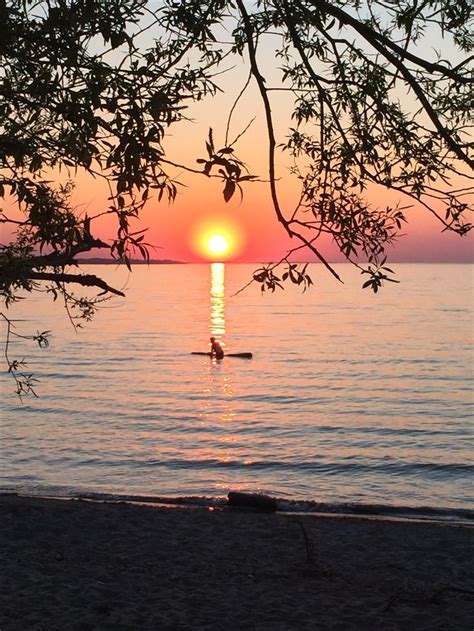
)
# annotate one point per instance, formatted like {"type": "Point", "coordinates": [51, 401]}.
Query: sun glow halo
{"type": "Point", "coordinates": [216, 240]}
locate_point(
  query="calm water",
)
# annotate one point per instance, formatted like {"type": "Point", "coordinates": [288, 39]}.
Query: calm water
{"type": "Point", "coordinates": [350, 396]}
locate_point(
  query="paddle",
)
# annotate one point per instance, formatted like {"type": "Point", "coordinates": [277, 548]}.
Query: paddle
{"type": "Point", "coordinates": [241, 355]}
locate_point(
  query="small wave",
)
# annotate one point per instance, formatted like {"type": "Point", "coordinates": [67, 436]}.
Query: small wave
{"type": "Point", "coordinates": [284, 505]}
{"type": "Point", "coordinates": [379, 510]}
{"type": "Point", "coordinates": [341, 467]}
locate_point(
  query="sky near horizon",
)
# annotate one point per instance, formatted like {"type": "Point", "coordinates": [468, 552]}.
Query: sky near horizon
{"type": "Point", "coordinates": [177, 230]}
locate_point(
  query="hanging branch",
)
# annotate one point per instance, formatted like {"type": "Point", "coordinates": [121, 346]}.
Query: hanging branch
{"type": "Point", "coordinates": [271, 138]}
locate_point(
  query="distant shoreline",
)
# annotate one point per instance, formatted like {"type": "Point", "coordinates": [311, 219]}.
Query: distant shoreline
{"type": "Point", "coordinates": [99, 261]}
{"type": "Point", "coordinates": [104, 261]}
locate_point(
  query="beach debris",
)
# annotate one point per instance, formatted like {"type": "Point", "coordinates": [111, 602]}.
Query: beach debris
{"type": "Point", "coordinates": [256, 501]}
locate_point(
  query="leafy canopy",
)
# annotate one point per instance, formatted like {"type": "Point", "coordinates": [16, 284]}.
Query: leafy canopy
{"type": "Point", "coordinates": [83, 90]}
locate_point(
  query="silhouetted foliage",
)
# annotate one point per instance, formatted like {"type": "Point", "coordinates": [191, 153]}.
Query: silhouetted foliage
{"type": "Point", "coordinates": [80, 93]}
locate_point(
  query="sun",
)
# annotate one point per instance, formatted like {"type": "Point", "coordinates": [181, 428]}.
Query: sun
{"type": "Point", "coordinates": [216, 240]}
{"type": "Point", "coordinates": [217, 244]}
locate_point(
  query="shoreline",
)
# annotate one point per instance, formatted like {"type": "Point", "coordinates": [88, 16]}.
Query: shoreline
{"type": "Point", "coordinates": [72, 564]}
{"type": "Point", "coordinates": [428, 514]}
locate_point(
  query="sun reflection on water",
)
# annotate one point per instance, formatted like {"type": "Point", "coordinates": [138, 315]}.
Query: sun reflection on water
{"type": "Point", "coordinates": [217, 295]}
{"type": "Point", "coordinates": [218, 411]}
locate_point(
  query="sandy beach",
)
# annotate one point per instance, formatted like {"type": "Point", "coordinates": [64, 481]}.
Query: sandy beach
{"type": "Point", "coordinates": [76, 565]}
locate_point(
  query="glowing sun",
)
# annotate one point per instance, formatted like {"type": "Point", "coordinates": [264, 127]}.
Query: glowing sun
{"type": "Point", "coordinates": [216, 240]}
{"type": "Point", "coordinates": [217, 244]}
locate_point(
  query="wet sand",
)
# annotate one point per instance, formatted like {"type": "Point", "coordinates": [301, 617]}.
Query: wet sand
{"type": "Point", "coordinates": [75, 565]}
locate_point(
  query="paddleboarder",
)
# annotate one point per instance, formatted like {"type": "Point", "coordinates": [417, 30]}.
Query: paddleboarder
{"type": "Point", "coordinates": [216, 349]}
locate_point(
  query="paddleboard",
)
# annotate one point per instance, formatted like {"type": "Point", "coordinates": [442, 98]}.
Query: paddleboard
{"type": "Point", "coordinates": [241, 355]}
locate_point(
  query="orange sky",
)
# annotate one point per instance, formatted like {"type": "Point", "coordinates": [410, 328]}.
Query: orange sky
{"type": "Point", "coordinates": [177, 229]}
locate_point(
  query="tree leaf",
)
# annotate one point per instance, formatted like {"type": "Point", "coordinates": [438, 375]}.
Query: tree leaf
{"type": "Point", "coordinates": [229, 190]}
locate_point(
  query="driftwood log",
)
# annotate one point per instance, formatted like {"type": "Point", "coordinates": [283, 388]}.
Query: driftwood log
{"type": "Point", "coordinates": [255, 501]}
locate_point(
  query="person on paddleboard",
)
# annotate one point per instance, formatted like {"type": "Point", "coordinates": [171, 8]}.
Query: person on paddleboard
{"type": "Point", "coordinates": [216, 349]}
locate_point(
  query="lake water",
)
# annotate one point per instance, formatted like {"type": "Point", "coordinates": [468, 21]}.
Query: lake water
{"type": "Point", "coordinates": [351, 397]}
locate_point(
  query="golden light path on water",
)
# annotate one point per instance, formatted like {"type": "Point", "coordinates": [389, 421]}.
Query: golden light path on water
{"type": "Point", "coordinates": [217, 297]}
{"type": "Point", "coordinates": [217, 384]}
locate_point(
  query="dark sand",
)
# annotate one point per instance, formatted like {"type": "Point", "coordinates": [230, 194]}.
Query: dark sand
{"type": "Point", "coordinates": [77, 565]}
